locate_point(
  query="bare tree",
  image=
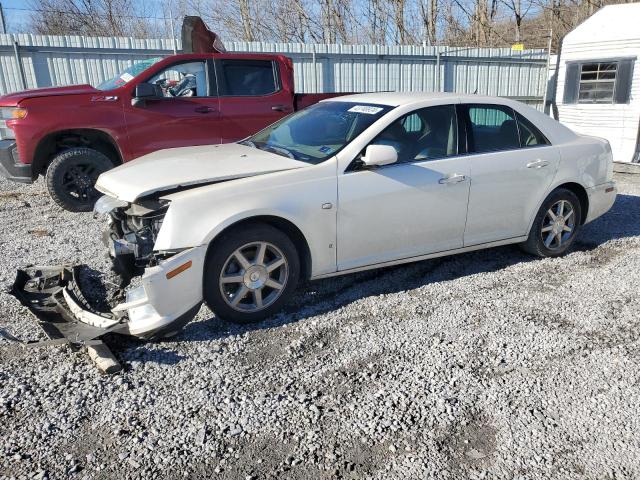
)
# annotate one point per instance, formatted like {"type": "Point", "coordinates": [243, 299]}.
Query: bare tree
{"type": "Point", "coordinates": [483, 23]}
{"type": "Point", "coordinates": [91, 17]}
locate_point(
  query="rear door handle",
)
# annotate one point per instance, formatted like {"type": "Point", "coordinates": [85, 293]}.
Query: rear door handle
{"type": "Point", "coordinates": [280, 108]}
{"type": "Point", "coordinates": [205, 109]}
{"type": "Point", "coordinates": [455, 178]}
{"type": "Point", "coordinates": [537, 164]}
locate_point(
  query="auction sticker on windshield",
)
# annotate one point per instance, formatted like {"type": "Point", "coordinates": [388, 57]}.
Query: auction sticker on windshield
{"type": "Point", "coordinates": [365, 109]}
{"type": "Point", "coordinates": [127, 77]}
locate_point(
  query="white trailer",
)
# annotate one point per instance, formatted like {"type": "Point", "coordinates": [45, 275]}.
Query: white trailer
{"type": "Point", "coordinates": [598, 88]}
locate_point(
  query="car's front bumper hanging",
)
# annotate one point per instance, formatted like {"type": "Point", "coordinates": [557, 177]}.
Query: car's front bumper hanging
{"type": "Point", "coordinates": [54, 297]}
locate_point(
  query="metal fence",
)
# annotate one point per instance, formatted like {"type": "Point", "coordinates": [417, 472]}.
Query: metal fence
{"type": "Point", "coordinates": [31, 61]}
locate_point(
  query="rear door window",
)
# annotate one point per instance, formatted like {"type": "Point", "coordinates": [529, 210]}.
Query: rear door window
{"type": "Point", "coordinates": [492, 128]}
{"type": "Point", "coordinates": [530, 136]}
{"type": "Point", "coordinates": [246, 78]}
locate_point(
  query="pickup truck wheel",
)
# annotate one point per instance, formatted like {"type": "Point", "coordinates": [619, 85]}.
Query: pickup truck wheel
{"type": "Point", "coordinates": [71, 177]}
{"type": "Point", "coordinates": [250, 273]}
{"type": "Point", "coordinates": [555, 226]}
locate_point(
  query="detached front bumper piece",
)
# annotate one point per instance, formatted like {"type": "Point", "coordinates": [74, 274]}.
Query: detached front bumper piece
{"type": "Point", "coordinates": [53, 296]}
{"type": "Point", "coordinates": [168, 296]}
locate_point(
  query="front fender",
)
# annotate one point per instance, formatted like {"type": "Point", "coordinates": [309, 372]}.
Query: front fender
{"type": "Point", "coordinates": [197, 216]}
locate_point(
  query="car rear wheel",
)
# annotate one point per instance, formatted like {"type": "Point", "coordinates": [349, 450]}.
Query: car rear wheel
{"type": "Point", "coordinates": [250, 273]}
{"type": "Point", "coordinates": [556, 225]}
{"type": "Point", "coordinates": [71, 178]}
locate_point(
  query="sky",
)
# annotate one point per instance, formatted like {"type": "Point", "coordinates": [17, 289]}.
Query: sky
{"type": "Point", "coordinates": [17, 12]}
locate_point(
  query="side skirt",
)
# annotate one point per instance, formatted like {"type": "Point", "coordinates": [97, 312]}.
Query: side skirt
{"type": "Point", "coordinates": [443, 253]}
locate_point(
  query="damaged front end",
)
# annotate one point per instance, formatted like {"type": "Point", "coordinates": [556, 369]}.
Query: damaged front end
{"type": "Point", "coordinates": [159, 292]}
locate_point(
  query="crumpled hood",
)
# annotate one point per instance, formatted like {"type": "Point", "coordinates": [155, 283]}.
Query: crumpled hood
{"type": "Point", "coordinates": [189, 166]}
{"type": "Point", "coordinates": [15, 98]}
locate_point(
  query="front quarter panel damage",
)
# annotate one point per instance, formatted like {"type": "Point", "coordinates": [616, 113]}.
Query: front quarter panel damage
{"type": "Point", "coordinates": [197, 216]}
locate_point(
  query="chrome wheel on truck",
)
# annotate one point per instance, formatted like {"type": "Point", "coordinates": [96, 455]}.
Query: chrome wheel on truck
{"type": "Point", "coordinates": [254, 276]}
{"type": "Point", "coordinates": [250, 272]}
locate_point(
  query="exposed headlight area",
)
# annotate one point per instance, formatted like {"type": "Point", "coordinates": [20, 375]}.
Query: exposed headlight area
{"type": "Point", "coordinates": [132, 229]}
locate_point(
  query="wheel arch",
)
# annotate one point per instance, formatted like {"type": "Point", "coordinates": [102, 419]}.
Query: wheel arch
{"type": "Point", "coordinates": [579, 190]}
{"type": "Point", "coordinates": [582, 195]}
{"type": "Point", "coordinates": [61, 140]}
{"type": "Point", "coordinates": [284, 225]}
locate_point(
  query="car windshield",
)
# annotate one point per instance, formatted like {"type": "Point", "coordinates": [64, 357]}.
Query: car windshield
{"type": "Point", "coordinates": [318, 132]}
{"type": "Point", "coordinates": [129, 74]}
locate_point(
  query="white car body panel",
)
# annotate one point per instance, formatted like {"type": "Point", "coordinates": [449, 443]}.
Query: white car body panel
{"type": "Point", "coordinates": [357, 220]}
{"type": "Point", "coordinates": [184, 166]}
{"type": "Point", "coordinates": [505, 188]}
{"type": "Point", "coordinates": [404, 209]}
{"type": "Point", "coordinates": [294, 195]}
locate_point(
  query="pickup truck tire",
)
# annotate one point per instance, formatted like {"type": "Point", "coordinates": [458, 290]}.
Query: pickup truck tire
{"type": "Point", "coordinates": [71, 177]}
{"type": "Point", "coordinates": [555, 226]}
{"type": "Point", "coordinates": [250, 272]}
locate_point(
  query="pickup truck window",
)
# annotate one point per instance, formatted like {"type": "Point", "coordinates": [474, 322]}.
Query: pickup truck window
{"type": "Point", "coordinates": [318, 132]}
{"type": "Point", "coordinates": [183, 80]}
{"type": "Point", "coordinates": [249, 77]}
{"type": "Point", "coordinates": [128, 74]}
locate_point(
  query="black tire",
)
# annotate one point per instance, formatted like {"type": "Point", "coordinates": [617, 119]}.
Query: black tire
{"type": "Point", "coordinates": [71, 177]}
{"type": "Point", "coordinates": [535, 244]}
{"type": "Point", "coordinates": [220, 254]}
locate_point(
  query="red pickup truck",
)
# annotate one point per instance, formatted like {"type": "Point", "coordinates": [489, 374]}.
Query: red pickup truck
{"type": "Point", "coordinates": [73, 134]}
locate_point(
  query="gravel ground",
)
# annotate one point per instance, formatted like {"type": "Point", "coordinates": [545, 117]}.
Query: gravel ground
{"type": "Point", "coordinates": [486, 365]}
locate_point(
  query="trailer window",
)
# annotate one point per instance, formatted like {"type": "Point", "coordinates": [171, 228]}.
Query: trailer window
{"type": "Point", "coordinates": [597, 82]}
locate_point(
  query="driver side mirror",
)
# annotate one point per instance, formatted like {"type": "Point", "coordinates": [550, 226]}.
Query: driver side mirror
{"type": "Point", "coordinates": [144, 92]}
{"type": "Point", "coordinates": [378, 155]}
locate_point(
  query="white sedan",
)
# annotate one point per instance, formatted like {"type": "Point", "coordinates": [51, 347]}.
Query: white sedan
{"type": "Point", "coordinates": [352, 183]}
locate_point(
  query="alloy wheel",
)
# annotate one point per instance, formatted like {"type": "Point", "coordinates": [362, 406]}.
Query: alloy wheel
{"type": "Point", "coordinates": [558, 225]}
{"type": "Point", "coordinates": [78, 181]}
{"type": "Point", "coordinates": [253, 276]}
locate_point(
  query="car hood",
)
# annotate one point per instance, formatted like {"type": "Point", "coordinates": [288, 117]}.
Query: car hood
{"type": "Point", "coordinates": [186, 167]}
{"type": "Point", "coordinates": [15, 98]}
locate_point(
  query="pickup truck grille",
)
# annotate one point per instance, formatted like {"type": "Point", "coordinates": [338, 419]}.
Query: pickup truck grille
{"type": "Point", "coordinates": [5, 132]}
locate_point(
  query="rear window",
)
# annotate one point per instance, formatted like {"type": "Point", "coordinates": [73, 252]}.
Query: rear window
{"type": "Point", "coordinates": [246, 78]}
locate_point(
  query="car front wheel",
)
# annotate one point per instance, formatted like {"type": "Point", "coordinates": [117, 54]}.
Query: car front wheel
{"type": "Point", "coordinates": [250, 273]}
{"type": "Point", "coordinates": [556, 225]}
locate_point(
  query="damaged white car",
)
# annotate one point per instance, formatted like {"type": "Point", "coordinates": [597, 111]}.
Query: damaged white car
{"type": "Point", "coordinates": [352, 183]}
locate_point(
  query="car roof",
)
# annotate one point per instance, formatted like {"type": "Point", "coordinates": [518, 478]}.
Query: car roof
{"type": "Point", "coordinates": [552, 129]}
{"type": "Point", "coordinates": [396, 99]}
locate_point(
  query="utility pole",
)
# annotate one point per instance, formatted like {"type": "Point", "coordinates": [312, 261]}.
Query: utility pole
{"type": "Point", "coordinates": [546, 73]}
{"type": "Point", "coordinates": [173, 28]}
{"type": "Point", "coordinates": [3, 25]}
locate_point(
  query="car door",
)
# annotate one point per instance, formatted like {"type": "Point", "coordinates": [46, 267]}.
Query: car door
{"type": "Point", "coordinates": [188, 113]}
{"type": "Point", "coordinates": [251, 96]}
{"type": "Point", "coordinates": [512, 165]}
{"type": "Point", "coordinates": [413, 207]}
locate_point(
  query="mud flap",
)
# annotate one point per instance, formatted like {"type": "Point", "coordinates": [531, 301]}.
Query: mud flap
{"type": "Point", "coordinates": [54, 297]}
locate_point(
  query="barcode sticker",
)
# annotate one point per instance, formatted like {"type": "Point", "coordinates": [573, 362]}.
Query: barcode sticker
{"type": "Point", "coordinates": [365, 109]}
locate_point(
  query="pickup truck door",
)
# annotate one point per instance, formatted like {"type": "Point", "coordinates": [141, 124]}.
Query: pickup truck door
{"type": "Point", "coordinates": [191, 118]}
{"type": "Point", "coordinates": [251, 96]}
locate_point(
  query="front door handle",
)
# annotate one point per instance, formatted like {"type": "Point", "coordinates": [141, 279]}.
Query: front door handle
{"type": "Point", "coordinates": [537, 164]}
{"type": "Point", "coordinates": [205, 109]}
{"type": "Point", "coordinates": [455, 178]}
{"type": "Point", "coordinates": [280, 108]}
